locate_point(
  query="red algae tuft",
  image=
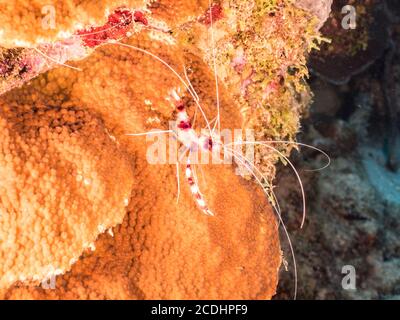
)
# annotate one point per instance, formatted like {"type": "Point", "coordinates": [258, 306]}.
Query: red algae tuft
{"type": "Point", "coordinates": [213, 14]}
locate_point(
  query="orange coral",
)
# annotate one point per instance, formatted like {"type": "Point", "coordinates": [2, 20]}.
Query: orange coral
{"type": "Point", "coordinates": [56, 164]}
{"type": "Point", "coordinates": [22, 21]}
{"type": "Point", "coordinates": [71, 169]}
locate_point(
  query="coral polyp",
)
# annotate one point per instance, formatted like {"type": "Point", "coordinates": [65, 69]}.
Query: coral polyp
{"type": "Point", "coordinates": [79, 200]}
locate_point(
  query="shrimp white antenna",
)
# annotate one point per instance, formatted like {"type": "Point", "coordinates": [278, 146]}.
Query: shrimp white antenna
{"type": "Point", "coordinates": [251, 168]}
{"type": "Point", "coordinates": [149, 132]}
{"type": "Point", "coordinates": [190, 84]}
{"type": "Point", "coordinates": [307, 146]}
{"type": "Point", "coordinates": [218, 123]}
{"type": "Point", "coordinates": [55, 61]}
{"type": "Point", "coordinates": [173, 71]}
{"type": "Point", "coordinates": [195, 94]}
{"type": "Point", "coordinates": [237, 156]}
{"type": "Point", "coordinates": [291, 165]}
{"type": "Point", "coordinates": [264, 143]}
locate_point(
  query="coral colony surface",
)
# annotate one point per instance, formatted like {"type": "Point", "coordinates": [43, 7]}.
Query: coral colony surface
{"type": "Point", "coordinates": [84, 214]}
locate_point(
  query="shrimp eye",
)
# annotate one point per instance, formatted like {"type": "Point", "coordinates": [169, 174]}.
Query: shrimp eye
{"type": "Point", "coordinates": [180, 107]}
{"type": "Point", "coordinates": [209, 144]}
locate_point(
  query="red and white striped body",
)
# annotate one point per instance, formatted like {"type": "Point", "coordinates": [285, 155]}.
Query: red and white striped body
{"type": "Point", "coordinates": [189, 138]}
{"type": "Point", "coordinates": [185, 133]}
{"type": "Point", "coordinates": [194, 189]}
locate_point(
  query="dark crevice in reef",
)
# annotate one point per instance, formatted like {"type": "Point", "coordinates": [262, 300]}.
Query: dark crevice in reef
{"type": "Point", "coordinates": [354, 205]}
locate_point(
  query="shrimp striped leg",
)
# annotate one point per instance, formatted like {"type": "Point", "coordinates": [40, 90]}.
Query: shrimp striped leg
{"type": "Point", "coordinates": [194, 189]}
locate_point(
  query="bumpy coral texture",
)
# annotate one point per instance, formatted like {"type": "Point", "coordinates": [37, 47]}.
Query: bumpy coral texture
{"type": "Point", "coordinates": [162, 249]}
{"type": "Point", "coordinates": [58, 165]}
{"type": "Point", "coordinates": [23, 21]}
{"type": "Point", "coordinates": [70, 169]}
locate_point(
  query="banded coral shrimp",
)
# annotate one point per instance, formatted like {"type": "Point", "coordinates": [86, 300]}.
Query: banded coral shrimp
{"type": "Point", "coordinates": [188, 137]}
